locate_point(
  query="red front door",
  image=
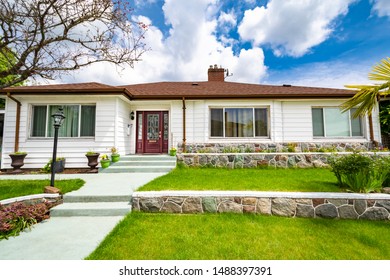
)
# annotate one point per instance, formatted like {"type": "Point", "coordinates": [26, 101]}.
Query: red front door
{"type": "Point", "coordinates": [152, 132]}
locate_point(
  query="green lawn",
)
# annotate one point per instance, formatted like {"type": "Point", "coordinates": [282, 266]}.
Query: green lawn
{"type": "Point", "coordinates": [15, 188]}
{"type": "Point", "coordinates": [143, 236]}
{"type": "Point", "coordinates": [305, 180]}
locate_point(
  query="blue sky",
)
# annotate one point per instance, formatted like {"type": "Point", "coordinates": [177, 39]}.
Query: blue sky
{"type": "Point", "coordinates": [326, 43]}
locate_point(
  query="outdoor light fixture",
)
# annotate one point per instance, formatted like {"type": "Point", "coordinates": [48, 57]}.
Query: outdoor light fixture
{"type": "Point", "coordinates": [132, 115]}
{"type": "Point", "coordinates": [58, 119]}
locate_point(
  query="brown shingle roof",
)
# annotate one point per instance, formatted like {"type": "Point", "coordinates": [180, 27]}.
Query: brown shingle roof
{"type": "Point", "coordinates": [206, 90]}
{"type": "Point", "coordinates": [194, 90]}
{"type": "Point", "coordinates": [62, 88]}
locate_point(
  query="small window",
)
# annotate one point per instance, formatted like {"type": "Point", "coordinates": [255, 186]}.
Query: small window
{"type": "Point", "coordinates": [331, 122]}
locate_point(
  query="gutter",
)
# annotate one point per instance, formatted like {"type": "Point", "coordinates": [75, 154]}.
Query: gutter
{"type": "Point", "coordinates": [17, 121]}
{"type": "Point", "coordinates": [184, 124]}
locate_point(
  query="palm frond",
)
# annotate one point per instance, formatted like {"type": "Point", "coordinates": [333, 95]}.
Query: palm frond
{"type": "Point", "coordinates": [381, 71]}
{"type": "Point", "coordinates": [365, 100]}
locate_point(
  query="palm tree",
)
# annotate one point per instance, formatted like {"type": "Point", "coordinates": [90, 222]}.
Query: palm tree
{"type": "Point", "coordinates": [367, 97]}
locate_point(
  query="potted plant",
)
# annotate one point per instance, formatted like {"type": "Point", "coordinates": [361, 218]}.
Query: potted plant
{"type": "Point", "coordinates": [58, 167]}
{"type": "Point", "coordinates": [172, 152]}
{"type": "Point", "coordinates": [17, 161]}
{"type": "Point", "coordinates": [114, 154]}
{"type": "Point", "coordinates": [92, 160]}
{"type": "Point", "coordinates": [104, 161]}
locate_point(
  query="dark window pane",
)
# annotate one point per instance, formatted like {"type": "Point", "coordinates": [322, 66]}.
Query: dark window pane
{"type": "Point", "coordinates": [318, 121]}
{"type": "Point", "coordinates": [261, 122]}
{"type": "Point", "coordinates": [70, 126]}
{"type": "Point", "coordinates": [216, 116]}
{"type": "Point", "coordinates": [87, 124]}
{"type": "Point", "coordinates": [239, 122]}
{"type": "Point", "coordinates": [39, 121]}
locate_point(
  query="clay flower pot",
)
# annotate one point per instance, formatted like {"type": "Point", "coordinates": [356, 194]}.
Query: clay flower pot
{"type": "Point", "coordinates": [93, 161]}
{"type": "Point", "coordinates": [17, 161]}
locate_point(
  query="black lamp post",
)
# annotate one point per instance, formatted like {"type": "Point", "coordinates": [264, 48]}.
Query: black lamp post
{"type": "Point", "coordinates": [58, 119]}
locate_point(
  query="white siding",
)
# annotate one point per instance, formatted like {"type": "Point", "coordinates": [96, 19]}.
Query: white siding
{"type": "Point", "coordinates": [73, 149]}
{"type": "Point", "coordinates": [123, 136]}
{"type": "Point", "coordinates": [290, 121]}
{"type": "Point", "coordinates": [297, 123]}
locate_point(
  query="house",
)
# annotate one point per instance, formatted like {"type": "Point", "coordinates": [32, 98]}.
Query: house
{"type": "Point", "coordinates": [150, 118]}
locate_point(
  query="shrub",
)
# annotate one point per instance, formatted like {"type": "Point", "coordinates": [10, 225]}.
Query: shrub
{"type": "Point", "coordinates": [359, 173]}
{"type": "Point", "coordinates": [18, 216]}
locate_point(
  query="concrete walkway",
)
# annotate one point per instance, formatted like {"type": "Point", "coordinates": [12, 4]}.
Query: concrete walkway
{"type": "Point", "coordinates": [72, 238]}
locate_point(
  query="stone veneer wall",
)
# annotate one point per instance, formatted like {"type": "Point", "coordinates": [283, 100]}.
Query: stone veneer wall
{"type": "Point", "coordinates": [275, 147]}
{"type": "Point", "coordinates": [251, 160]}
{"type": "Point", "coordinates": [306, 205]}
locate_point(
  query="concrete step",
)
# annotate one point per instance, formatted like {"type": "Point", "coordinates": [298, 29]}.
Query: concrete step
{"type": "Point", "coordinates": [147, 158]}
{"type": "Point", "coordinates": [68, 198]}
{"type": "Point", "coordinates": [96, 209]}
{"type": "Point", "coordinates": [144, 163]}
{"type": "Point", "coordinates": [138, 169]}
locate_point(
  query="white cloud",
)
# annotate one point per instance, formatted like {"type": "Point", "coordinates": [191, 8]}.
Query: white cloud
{"type": "Point", "coordinates": [228, 18]}
{"type": "Point", "coordinates": [381, 7]}
{"type": "Point", "coordinates": [185, 54]}
{"type": "Point", "coordinates": [291, 27]}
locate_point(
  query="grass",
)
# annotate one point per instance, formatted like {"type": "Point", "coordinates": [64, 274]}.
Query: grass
{"type": "Point", "coordinates": [143, 236]}
{"type": "Point", "coordinates": [15, 188]}
{"type": "Point", "coordinates": [304, 180]}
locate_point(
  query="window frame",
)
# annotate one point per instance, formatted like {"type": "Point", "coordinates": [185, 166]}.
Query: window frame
{"type": "Point", "coordinates": [253, 119]}
{"type": "Point", "coordinates": [362, 124]}
{"type": "Point", "coordinates": [30, 136]}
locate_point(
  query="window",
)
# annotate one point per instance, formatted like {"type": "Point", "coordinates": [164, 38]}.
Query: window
{"type": "Point", "coordinates": [239, 122]}
{"type": "Point", "coordinates": [79, 121]}
{"type": "Point", "coordinates": [331, 122]}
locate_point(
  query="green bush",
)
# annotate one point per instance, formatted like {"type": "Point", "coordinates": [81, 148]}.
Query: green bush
{"type": "Point", "coordinates": [359, 173]}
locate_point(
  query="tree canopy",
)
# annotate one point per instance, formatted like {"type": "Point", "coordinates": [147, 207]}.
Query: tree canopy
{"type": "Point", "coordinates": [52, 37]}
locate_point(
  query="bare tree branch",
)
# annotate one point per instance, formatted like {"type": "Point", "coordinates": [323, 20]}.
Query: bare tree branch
{"type": "Point", "coordinates": [49, 38]}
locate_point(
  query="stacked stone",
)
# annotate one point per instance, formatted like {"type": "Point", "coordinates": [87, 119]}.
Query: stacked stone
{"type": "Point", "coordinates": [273, 147]}
{"type": "Point", "coordinates": [252, 160]}
{"type": "Point", "coordinates": [367, 209]}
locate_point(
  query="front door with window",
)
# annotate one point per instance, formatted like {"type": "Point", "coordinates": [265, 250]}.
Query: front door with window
{"type": "Point", "coordinates": [152, 132]}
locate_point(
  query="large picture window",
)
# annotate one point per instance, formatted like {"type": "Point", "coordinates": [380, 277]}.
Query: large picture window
{"type": "Point", "coordinates": [331, 122]}
{"type": "Point", "coordinates": [239, 122]}
{"type": "Point", "coordinates": [79, 121]}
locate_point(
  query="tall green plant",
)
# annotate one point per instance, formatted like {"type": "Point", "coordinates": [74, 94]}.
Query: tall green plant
{"type": "Point", "coordinates": [359, 173]}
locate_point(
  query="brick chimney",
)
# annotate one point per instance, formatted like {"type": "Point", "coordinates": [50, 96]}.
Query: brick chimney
{"type": "Point", "coordinates": [216, 74]}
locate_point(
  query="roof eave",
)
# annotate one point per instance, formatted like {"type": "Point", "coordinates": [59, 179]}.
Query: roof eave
{"type": "Point", "coordinates": [241, 96]}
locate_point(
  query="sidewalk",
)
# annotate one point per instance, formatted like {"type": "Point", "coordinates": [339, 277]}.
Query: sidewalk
{"type": "Point", "coordinates": [72, 238]}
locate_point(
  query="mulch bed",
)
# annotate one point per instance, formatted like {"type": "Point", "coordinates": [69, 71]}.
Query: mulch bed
{"type": "Point", "coordinates": [37, 171]}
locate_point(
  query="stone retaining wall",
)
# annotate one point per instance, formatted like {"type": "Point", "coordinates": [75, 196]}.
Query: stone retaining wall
{"type": "Point", "coordinates": [251, 160]}
{"type": "Point", "coordinates": [306, 205]}
{"type": "Point", "coordinates": [54, 199]}
{"type": "Point", "coordinates": [298, 147]}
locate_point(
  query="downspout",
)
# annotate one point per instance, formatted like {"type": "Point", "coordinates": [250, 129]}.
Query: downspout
{"type": "Point", "coordinates": [17, 124]}
{"type": "Point", "coordinates": [370, 123]}
{"type": "Point", "coordinates": [184, 125]}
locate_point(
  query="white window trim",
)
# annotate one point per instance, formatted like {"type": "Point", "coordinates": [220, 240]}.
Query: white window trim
{"type": "Point", "coordinates": [30, 137]}
{"type": "Point", "coordinates": [240, 107]}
